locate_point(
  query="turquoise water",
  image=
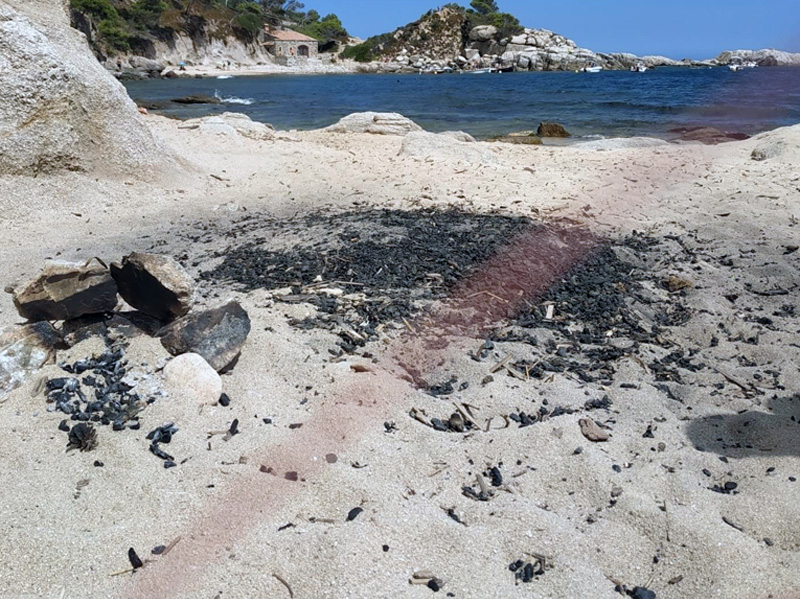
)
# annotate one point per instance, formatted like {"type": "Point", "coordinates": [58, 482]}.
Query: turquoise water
{"type": "Point", "coordinates": [604, 104]}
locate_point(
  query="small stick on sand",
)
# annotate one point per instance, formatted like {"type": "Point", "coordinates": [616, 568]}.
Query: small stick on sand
{"type": "Point", "coordinates": [125, 571]}
{"type": "Point", "coordinates": [171, 546]}
{"type": "Point", "coordinates": [282, 580]}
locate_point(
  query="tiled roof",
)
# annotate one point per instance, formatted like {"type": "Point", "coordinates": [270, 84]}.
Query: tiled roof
{"type": "Point", "coordinates": [287, 35]}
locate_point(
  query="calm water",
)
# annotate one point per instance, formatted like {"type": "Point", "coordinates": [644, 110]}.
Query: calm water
{"type": "Point", "coordinates": [604, 104]}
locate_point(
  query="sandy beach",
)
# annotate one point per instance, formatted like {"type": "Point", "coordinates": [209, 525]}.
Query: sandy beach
{"type": "Point", "coordinates": [636, 511]}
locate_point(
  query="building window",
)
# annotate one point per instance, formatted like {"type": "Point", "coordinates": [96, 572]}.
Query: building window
{"type": "Point", "coordinates": [302, 51]}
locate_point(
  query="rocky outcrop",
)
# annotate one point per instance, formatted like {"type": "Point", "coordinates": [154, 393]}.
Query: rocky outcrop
{"type": "Point", "coordinates": [763, 58]}
{"type": "Point", "coordinates": [381, 123]}
{"type": "Point", "coordinates": [59, 109]}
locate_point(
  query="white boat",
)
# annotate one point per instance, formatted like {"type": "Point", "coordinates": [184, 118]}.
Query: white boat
{"type": "Point", "coordinates": [591, 69]}
{"type": "Point", "coordinates": [738, 66]}
{"type": "Point", "coordinates": [639, 68]}
{"type": "Point", "coordinates": [480, 71]}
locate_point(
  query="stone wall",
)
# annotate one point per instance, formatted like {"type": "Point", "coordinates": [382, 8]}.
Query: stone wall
{"type": "Point", "coordinates": [289, 49]}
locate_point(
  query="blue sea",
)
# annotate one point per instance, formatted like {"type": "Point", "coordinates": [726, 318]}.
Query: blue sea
{"type": "Point", "coordinates": [606, 104]}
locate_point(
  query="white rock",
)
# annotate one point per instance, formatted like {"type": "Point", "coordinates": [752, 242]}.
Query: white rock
{"type": "Point", "coordinates": [190, 377]}
{"type": "Point", "coordinates": [381, 123]}
{"type": "Point", "coordinates": [232, 124]}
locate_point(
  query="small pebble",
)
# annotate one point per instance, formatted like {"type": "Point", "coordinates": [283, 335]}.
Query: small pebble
{"type": "Point", "coordinates": [224, 400]}
{"type": "Point", "coordinates": [385, 548]}
{"type": "Point", "coordinates": [354, 513]}
{"type": "Point", "coordinates": [435, 585]}
{"type": "Point", "coordinates": [158, 550]}
{"type": "Point", "coordinates": [98, 464]}
{"type": "Point", "coordinates": [136, 563]}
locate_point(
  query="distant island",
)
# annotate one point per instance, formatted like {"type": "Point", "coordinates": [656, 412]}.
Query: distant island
{"type": "Point", "coordinates": [147, 38]}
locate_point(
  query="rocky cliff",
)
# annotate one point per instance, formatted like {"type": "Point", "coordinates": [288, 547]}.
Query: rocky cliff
{"type": "Point", "coordinates": [763, 58]}
{"type": "Point", "coordinates": [59, 109]}
{"type": "Point", "coordinates": [208, 35]}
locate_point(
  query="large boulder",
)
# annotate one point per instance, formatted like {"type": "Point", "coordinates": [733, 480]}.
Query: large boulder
{"type": "Point", "coordinates": [66, 290]}
{"type": "Point", "coordinates": [23, 350]}
{"type": "Point", "coordinates": [154, 284]}
{"type": "Point", "coordinates": [483, 33]}
{"type": "Point", "coordinates": [381, 123]}
{"type": "Point", "coordinates": [60, 110]}
{"type": "Point", "coordinates": [217, 334]}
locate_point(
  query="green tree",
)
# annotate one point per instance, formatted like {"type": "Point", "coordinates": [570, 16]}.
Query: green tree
{"type": "Point", "coordinates": [329, 28]}
{"type": "Point", "coordinates": [484, 7]}
{"type": "Point", "coordinates": [147, 13]}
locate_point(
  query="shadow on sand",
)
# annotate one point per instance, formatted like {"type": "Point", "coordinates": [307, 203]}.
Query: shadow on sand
{"type": "Point", "coordinates": [751, 433]}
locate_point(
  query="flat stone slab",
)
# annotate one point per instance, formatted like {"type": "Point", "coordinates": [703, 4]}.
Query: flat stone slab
{"type": "Point", "coordinates": [217, 335]}
{"type": "Point", "coordinates": [66, 290]}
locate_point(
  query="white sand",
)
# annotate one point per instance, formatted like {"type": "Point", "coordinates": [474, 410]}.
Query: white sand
{"type": "Point", "coordinates": [54, 545]}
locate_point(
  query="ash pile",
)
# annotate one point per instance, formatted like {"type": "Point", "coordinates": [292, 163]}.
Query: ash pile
{"type": "Point", "coordinates": [69, 303]}
{"type": "Point", "coordinates": [669, 302]}
{"type": "Point", "coordinates": [369, 273]}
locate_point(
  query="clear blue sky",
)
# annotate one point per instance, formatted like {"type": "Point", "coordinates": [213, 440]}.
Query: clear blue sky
{"type": "Point", "coordinates": [676, 28]}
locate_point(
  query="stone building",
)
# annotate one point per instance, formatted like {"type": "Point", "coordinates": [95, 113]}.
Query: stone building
{"type": "Point", "coordinates": [286, 44]}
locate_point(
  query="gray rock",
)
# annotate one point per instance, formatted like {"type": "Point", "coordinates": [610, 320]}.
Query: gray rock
{"type": "Point", "coordinates": [381, 123]}
{"type": "Point", "coordinates": [65, 290]}
{"type": "Point", "coordinates": [190, 376]}
{"type": "Point", "coordinates": [60, 110]}
{"type": "Point", "coordinates": [154, 284]}
{"type": "Point", "coordinates": [146, 65]}
{"type": "Point", "coordinates": [483, 33]}
{"type": "Point", "coordinates": [217, 334]}
{"type": "Point", "coordinates": [197, 99]}
{"type": "Point", "coordinates": [23, 350]}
